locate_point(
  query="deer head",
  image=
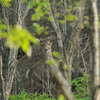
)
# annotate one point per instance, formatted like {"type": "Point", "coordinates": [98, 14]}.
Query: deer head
{"type": "Point", "coordinates": [47, 43]}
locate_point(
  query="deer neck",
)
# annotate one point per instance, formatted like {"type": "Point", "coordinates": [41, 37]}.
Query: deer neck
{"type": "Point", "coordinates": [48, 54]}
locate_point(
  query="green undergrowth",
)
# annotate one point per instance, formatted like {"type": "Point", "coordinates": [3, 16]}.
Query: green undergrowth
{"type": "Point", "coordinates": [30, 96]}
{"type": "Point", "coordinates": [81, 89]}
{"type": "Point", "coordinates": [80, 86]}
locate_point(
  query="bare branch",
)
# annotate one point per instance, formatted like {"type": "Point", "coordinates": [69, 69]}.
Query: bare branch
{"type": "Point", "coordinates": [56, 27]}
{"type": "Point", "coordinates": [53, 20]}
{"type": "Point", "coordinates": [1, 73]}
{"type": "Point", "coordinates": [26, 10]}
{"type": "Point", "coordinates": [55, 70]}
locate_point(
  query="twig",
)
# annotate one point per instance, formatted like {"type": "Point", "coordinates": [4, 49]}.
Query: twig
{"type": "Point", "coordinates": [26, 11]}
{"type": "Point", "coordinates": [2, 77]}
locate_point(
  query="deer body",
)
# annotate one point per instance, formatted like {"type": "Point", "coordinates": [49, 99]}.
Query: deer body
{"type": "Point", "coordinates": [35, 77]}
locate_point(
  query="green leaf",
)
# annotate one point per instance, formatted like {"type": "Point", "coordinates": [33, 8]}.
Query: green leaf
{"type": "Point", "coordinates": [56, 54]}
{"type": "Point", "coordinates": [6, 2]}
{"type": "Point", "coordinates": [62, 21]}
{"type": "Point", "coordinates": [39, 29]}
{"type": "Point", "coordinates": [61, 97]}
{"type": "Point", "coordinates": [19, 37]}
{"type": "Point", "coordinates": [70, 17]}
{"type": "Point", "coordinates": [50, 62]}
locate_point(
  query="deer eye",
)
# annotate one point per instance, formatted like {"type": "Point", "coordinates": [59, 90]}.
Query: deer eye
{"type": "Point", "coordinates": [49, 43]}
{"type": "Point", "coordinates": [41, 45]}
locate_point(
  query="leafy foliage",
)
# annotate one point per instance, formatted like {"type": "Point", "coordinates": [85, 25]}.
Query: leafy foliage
{"type": "Point", "coordinates": [41, 9]}
{"type": "Point", "coordinates": [71, 17]}
{"type": "Point", "coordinates": [25, 96]}
{"type": "Point", "coordinates": [18, 37]}
{"type": "Point", "coordinates": [61, 97]}
{"type": "Point", "coordinates": [82, 88]}
{"type": "Point", "coordinates": [58, 59]}
{"type": "Point", "coordinates": [6, 2]}
{"type": "Point", "coordinates": [30, 96]}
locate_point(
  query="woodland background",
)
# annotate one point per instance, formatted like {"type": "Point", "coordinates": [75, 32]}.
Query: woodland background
{"type": "Point", "coordinates": [50, 46]}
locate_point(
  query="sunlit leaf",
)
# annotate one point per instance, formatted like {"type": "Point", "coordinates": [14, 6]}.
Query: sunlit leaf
{"type": "Point", "coordinates": [56, 54]}
{"type": "Point", "coordinates": [70, 17]}
{"type": "Point", "coordinates": [62, 21]}
{"type": "Point", "coordinates": [61, 97]}
{"type": "Point", "coordinates": [65, 67]}
{"type": "Point", "coordinates": [39, 29]}
{"type": "Point", "coordinates": [50, 62]}
{"type": "Point", "coordinates": [18, 37]}
{"type": "Point", "coordinates": [6, 2]}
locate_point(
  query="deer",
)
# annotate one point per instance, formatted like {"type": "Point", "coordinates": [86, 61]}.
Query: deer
{"type": "Point", "coordinates": [40, 79]}
{"type": "Point", "coordinates": [46, 45]}
{"type": "Point", "coordinates": [31, 71]}
{"type": "Point", "coordinates": [36, 78]}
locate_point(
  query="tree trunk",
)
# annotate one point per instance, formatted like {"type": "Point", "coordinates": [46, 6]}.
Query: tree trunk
{"type": "Point", "coordinates": [94, 49]}
{"type": "Point", "coordinates": [66, 36]}
{"type": "Point", "coordinates": [19, 10]}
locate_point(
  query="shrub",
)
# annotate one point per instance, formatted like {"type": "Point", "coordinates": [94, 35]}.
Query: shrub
{"type": "Point", "coordinates": [25, 96]}
{"type": "Point", "coordinates": [81, 88]}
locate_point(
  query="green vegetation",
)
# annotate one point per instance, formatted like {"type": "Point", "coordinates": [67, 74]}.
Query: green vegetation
{"type": "Point", "coordinates": [81, 92]}
{"type": "Point", "coordinates": [6, 2]}
{"type": "Point", "coordinates": [82, 88]}
{"type": "Point", "coordinates": [18, 37]}
{"type": "Point", "coordinates": [25, 96]}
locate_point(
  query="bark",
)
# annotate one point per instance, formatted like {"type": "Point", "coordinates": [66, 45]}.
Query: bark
{"type": "Point", "coordinates": [67, 37]}
{"type": "Point", "coordinates": [69, 47]}
{"type": "Point", "coordinates": [94, 49]}
{"type": "Point", "coordinates": [56, 27]}
{"type": "Point", "coordinates": [71, 39]}
{"type": "Point", "coordinates": [19, 15]}
{"type": "Point", "coordinates": [2, 79]}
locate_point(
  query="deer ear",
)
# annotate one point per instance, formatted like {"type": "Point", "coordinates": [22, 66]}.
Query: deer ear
{"type": "Point", "coordinates": [52, 38]}
{"type": "Point", "coordinates": [40, 39]}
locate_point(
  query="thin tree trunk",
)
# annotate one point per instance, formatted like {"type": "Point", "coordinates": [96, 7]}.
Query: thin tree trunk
{"type": "Point", "coordinates": [2, 79]}
{"type": "Point", "coordinates": [66, 40]}
{"type": "Point", "coordinates": [12, 58]}
{"type": "Point", "coordinates": [94, 54]}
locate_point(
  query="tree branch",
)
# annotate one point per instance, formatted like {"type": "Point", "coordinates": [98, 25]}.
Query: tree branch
{"type": "Point", "coordinates": [1, 74]}
{"type": "Point", "coordinates": [26, 10]}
